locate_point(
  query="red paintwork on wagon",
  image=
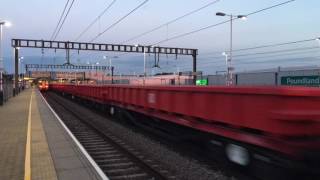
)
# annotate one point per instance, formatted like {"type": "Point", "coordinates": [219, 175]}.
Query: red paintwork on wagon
{"type": "Point", "coordinates": [274, 112]}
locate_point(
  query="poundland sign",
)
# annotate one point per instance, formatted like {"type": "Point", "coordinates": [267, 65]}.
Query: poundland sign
{"type": "Point", "coordinates": [301, 80]}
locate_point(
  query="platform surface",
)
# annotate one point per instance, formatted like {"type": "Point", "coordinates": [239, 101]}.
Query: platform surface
{"type": "Point", "coordinates": [53, 154]}
{"type": "Point", "coordinates": [13, 135]}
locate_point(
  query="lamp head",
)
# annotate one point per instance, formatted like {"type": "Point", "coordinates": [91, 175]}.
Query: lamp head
{"type": "Point", "coordinates": [7, 24]}
{"type": "Point", "coordinates": [220, 14]}
{"type": "Point", "coordinates": [224, 54]}
{"type": "Point", "coordinates": [243, 17]}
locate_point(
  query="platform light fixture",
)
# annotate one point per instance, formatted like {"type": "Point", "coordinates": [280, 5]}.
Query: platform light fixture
{"type": "Point", "coordinates": [7, 23]}
{"type": "Point", "coordinates": [318, 41]}
{"type": "Point", "coordinates": [224, 53]}
{"type": "Point", "coordinates": [220, 14]}
{"type": "Point", "coordinates": [243, 17]}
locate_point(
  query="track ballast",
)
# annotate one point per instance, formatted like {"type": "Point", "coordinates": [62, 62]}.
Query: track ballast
{"type": "Point", "coordinates": [117, 159]}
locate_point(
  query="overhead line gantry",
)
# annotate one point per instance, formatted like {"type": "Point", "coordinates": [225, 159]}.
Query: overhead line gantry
{"type": "Point", "coordinates": [85, 46]}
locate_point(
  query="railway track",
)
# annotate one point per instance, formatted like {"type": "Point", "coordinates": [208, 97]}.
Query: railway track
{"type": "Point", "coordinates": [100, 152]}
{"type": "Point", "coordinates": [117, 159]}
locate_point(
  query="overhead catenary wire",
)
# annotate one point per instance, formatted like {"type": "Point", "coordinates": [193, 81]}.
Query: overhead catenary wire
{"type": "Point", "coordinates": [241, 60]}
{"type": "Point", "coordinates": [171, 21]}
{"type": "Point", "coordinates": [188, 66]}
{"type": "Point", "coordinates": [220, 23]}
{"type": "Point", "coordinates": [268, 45]}
{"type": "Point", "coordinates": [64, 19]}
{"type": "Point", "coordinates": [61, 16]}
{"type": "Point", "coordinates": [278, 53]}
{"type": "Point", "coordinates": [246, 61]}
{"type": "Point", "coordinates": [95, 20]}
{"type": "Point", "coordinates": [310, 58]}
{"type": "Point", "coordinates": [223, 22]}
{"type": "Point", "coordinates": [275, 54]}
{"type": "Point", "coordinates": [270, 52]}
{"type": "Point", "coordinates": [118, 21]}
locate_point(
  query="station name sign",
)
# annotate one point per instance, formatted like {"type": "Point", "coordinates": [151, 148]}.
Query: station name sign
{"type": "Point", "coordinates": [300, 80]}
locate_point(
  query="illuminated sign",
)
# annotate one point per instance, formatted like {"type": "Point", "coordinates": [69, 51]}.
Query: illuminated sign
{"type": "Point", "coordinates": [202, 82]}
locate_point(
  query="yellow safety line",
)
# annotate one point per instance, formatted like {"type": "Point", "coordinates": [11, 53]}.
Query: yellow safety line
{"type": "Point", "coordinates": [27, 162]}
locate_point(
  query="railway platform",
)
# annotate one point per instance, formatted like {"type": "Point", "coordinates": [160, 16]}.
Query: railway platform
{"type": "Point", "coordinates": [34, 144]}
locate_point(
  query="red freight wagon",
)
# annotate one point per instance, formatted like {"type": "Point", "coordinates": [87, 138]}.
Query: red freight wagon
{"type": "Point", "coordinates": [282, 119]}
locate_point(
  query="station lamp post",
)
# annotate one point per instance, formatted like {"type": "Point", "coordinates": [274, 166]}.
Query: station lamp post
{"type": "Point", "coordinates": [111, 69]}
{"type": "Point", "coordinates": [97, 75]}
{"type": "Point", "coordinates": [229, 80]}
{"type": "Point", "coordinates": [21, 62]}
{"type": "Point", "coordinates": [229, 73]}
{"type": "Point", "coordinates": [144, 61]}
{"type": "Point", "coordinates": [7, 24]}
{"type": "Point", "coordinates": [88, 64]}
{"type": "Point", "coordinates": [110, 60]}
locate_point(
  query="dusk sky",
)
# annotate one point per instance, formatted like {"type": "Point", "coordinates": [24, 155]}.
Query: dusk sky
{"type": "Point", "coordinates": [298, 20]}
